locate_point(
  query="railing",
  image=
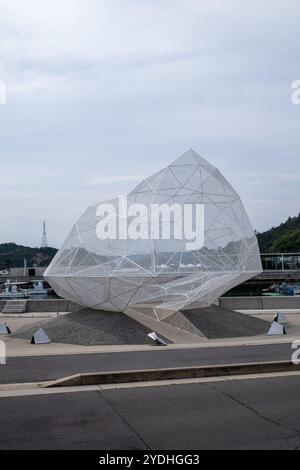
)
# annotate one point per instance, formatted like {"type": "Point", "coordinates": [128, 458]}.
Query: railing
{"type": "Point", "coordinates": [270, 261]}
{"type": "Point", "coordinates": [281, 261]}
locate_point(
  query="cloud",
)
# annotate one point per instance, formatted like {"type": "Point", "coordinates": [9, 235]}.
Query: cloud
{"type": "Point", "coordinates": [101, 92]}
{"type": "Point", "coordinates": [114, 179]}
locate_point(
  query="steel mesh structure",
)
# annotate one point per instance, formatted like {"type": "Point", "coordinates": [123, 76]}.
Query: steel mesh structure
{"type": "Point", "coordinates": [114, 274]}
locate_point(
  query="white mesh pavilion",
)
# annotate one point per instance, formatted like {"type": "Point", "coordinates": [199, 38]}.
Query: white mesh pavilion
{"type": "Point", "coordinates": [112, 275]}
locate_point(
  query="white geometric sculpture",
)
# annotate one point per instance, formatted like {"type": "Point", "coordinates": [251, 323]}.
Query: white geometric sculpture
{"type": "Point", "coordinates": [40, 337]}
{"type": "Point", "coordinates": [4, 329]}
{"type": "Point", "coordinates": [276, 330]}
{"type": "Point", "coordinates": [181, 237]}
{"type": "Point", "coordinates": [2, 353]}
{"type": "Point", "coordinates": [157, 340]}
{"type": "Point", "coordinates": [281, 318]}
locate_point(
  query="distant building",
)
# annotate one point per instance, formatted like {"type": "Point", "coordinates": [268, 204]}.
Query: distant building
{"type": "Point", "coordinates": [36, 272]}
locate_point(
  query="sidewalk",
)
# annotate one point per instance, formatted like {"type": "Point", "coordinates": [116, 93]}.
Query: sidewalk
{"type": "Point", "coordinates": [23, 348]}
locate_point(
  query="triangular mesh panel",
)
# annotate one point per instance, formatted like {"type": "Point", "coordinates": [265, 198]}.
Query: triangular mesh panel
{"type": "Point", "coordinates": [116, 273]}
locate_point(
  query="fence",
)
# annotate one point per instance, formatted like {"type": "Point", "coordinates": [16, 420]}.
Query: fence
{"type": "Point", "coordinates": [281, 261]}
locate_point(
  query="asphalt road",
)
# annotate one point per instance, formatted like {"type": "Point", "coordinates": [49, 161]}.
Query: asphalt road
{"type": "Point", "coordinates": [42, 368]}
{"type": "Point", "coordinates": [249, 414]}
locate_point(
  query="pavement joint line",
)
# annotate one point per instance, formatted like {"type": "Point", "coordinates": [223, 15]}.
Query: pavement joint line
{"type": "Point", "coordinates": [254, 411]}
{"type": "Point", "coordinates": [123, 419]}
{"type": "Point", "coordinates": [38, 390]}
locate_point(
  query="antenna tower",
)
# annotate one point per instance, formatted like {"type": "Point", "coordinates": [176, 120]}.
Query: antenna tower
{"type": "Point", "coordinates": [44, 236]}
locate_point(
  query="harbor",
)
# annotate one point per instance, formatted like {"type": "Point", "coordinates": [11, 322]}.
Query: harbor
{"type": "Point", "coordinates": [280, 277]}
{"type": "Point", "coordinates": [13, 290]}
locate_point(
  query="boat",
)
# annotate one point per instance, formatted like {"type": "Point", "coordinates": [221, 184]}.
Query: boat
{"type": "Point", "coordinates": [12, 290]}
{"type": "Point", "coordinates": [38, 289]}
{"type": "Point", "coordinates": [20, 290]}
{"type": "Point", "coordinates": [282, 289]}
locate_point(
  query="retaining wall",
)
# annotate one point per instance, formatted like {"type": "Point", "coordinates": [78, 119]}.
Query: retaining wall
{"type": "Point", "coordinates": [260, 303]}
{"type": "Point", "coordinates": [230, 303]}
{"type": "Point", "coordinates": [51, 305]}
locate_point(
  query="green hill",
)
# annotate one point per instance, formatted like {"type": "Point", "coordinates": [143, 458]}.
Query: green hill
{"type": "Point", "coordinates": [12, 256]}
{"type": "Point", "coordinates": [282, 239]}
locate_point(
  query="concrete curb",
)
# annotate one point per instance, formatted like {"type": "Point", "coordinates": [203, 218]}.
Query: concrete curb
{"type": "Point", "coordinates": [106, 378]}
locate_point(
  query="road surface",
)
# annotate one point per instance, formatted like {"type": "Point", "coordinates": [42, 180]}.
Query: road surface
{"type": "Point", "coordinates": [246, 414]}
{"type": "Point", "coordinates": [43, 368]}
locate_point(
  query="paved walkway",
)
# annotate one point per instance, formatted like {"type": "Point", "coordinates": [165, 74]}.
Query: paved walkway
{"type": "Point", "coordinates": [50, 367]}
{"type": "Point", "coordinates": [248, 414]}
{"type": "Point", "coordinates": [23, 348]}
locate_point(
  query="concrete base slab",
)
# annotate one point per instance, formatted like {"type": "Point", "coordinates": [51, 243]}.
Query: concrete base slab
{"type": "Point", "coordinates": [175, 335]}
{"type": "Point", "coordinates": [293, 318]}
{"type": "Point", "coordinates": [22, 347]}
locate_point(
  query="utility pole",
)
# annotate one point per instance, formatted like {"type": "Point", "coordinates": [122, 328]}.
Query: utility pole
{"type": "Point", "coordinates": [25, 267]}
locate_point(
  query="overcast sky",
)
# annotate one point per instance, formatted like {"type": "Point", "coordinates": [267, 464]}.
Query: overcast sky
{"type": "Point", "coordinates": [101, 93]}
